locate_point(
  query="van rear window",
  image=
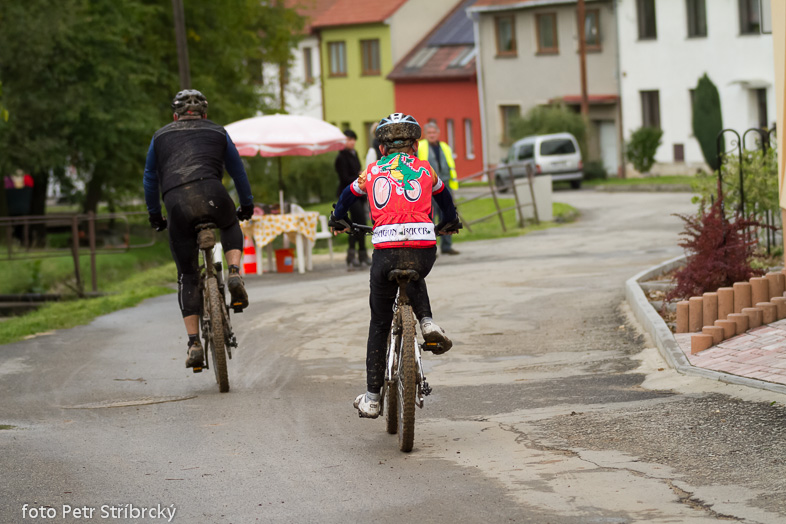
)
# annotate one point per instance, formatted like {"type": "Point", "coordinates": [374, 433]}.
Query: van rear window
{"type": "Point", "coordinates": [557, 146]}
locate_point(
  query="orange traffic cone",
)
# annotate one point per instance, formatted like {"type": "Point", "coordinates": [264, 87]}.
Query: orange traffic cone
{"type": "Point", "coordinates": [249, 257]}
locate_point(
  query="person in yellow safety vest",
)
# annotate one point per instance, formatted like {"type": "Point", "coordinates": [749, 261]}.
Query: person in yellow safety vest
{"type": "Point", "coordinates": [440, 156]}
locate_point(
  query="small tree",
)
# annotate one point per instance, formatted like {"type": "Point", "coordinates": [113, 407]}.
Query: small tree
{"type": "Point", "coordinates": [642, 146]}
{"type": "Point", "coordinates": [718, 251]}
{"type": "Point", "coordinates": [556, 118]}
{"type": "Point", "coordinates": [707, 120]}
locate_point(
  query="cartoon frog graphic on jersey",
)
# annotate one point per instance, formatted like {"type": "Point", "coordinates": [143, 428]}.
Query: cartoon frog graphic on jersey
{"type": "Point", "coordinates": [397, 170]}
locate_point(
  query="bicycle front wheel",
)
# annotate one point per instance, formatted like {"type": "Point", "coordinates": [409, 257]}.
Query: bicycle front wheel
{"type": "Point", "coordinates": [407, 380]}
{"type": "Point", "coordinates": [217, 344]}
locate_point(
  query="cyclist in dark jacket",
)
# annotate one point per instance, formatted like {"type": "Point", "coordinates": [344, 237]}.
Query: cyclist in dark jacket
{"type": "Point", "coordinates": [185, 164]}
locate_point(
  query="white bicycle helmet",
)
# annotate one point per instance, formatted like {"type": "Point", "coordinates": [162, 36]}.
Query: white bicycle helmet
{"type": "Point", "coordinates": [397, 130]}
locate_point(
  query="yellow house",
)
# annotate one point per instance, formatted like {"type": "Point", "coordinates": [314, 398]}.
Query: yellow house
{"type": "Point", "coordinates": [360, 42]}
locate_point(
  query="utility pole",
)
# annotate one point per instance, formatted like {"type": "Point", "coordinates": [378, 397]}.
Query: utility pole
{"type": "Point", "coordinates": [583, 61]}
{"type": "Point", "coordinates": [182, 44]}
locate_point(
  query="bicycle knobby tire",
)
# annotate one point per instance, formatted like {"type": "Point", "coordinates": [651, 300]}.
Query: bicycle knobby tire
{"type": "Point", "coordinates": [407, 380]}
{"type": "Point", "coordinates": [217, 345]}
{"type": "Point", "coordinates": [391, 395]}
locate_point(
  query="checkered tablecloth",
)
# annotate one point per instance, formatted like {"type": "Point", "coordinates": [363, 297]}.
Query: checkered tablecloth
{"type": "Point", "coordinates": [264, 228]}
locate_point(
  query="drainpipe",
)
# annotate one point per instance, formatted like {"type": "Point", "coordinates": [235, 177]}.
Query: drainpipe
{"type": "Point", "coordinates": [620, 128]}
{"type": "Point", "coordinates": [481, 92]}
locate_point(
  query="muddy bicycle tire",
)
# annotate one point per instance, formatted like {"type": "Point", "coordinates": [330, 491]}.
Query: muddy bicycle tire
{"type": "Point", "coordinates": [217, 344]}
{"type": "Point", "coordinates": [407, 380]}
{"type": "Point", "coordinates": [391, 397]}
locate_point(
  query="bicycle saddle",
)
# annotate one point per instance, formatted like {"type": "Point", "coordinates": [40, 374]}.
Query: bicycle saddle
{"type": "Point", "coordinates": [403, 274]}
{"type": "Point", "coordinates": [206, 239]}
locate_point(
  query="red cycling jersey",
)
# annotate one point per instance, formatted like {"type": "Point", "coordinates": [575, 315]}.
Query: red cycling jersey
{"type": "Point", "coordinates": [400, 188]}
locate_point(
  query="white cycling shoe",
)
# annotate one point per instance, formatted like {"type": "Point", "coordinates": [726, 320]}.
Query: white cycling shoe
{"type": "Point", "coordinates": [367, 408]}
{"type": "Point", "coordinates": [434, 334]}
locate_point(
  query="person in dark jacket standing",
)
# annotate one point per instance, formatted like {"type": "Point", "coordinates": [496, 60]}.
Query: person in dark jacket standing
{"type": "Point", "coordinates": [348, 168]}
{"type": "Point", "coordinates": [185, 164]}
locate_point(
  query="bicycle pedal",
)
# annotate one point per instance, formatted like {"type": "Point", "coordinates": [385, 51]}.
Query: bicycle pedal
{"type": "Point", "coordinates": [237, 309]}
{"type": "Point", "coordinates": [431, 346]}
{"type": "Point", "coordinates": [196, 369]}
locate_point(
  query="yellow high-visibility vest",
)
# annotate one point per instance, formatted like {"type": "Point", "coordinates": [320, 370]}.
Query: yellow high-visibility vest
{"type": "Point", "coordinates": [423, 147]}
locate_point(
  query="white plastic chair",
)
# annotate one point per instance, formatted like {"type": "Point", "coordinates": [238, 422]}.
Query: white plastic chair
{"type": "Point", "coordinates": [323, 232]}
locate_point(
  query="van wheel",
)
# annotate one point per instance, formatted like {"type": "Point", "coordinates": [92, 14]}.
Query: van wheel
{"type": "Point", "coordinates": [502, 187]}
{"type": "Point", "coordinates": [575, 184]}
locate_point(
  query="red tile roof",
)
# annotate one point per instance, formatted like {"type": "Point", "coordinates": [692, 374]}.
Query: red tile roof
{"type": "Point", "coordinates": [501, 3]}
{"type": "Point", "coordinates": [353, 12]}
{"type": "Point", "coordinates": [311, 9]}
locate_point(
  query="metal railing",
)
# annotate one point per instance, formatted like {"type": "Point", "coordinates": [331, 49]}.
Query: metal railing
{"type": "Point", "coordinates": [25, 238]}
{"type": "Point", "coordinates": [508, 184]}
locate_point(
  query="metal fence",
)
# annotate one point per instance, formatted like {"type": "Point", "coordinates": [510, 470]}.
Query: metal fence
{"type": "Point", "coordinates": [493, 190]}
{"type": "Point", "coordinates": [762, 140]}
{"type": "Point", "coordinates": [27, 237]}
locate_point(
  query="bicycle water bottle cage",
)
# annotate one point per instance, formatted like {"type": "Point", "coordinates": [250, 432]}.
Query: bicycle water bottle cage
{"type": "Point", "coordinates": [407, 275]}
{"type": "Point", "coordinates": [206, 239]}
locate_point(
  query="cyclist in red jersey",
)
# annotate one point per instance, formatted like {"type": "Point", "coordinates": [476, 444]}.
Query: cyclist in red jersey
{"type": "Point", "coordinates": [399, 187]}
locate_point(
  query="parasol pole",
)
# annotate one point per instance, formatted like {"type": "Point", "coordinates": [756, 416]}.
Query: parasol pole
{"type": "Point", "coordinates": [280, 188]}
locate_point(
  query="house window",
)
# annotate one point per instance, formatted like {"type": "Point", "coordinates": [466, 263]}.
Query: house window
{"type": "Point", "coordinates": [369, 51]}
{"type": "Point", "coordinates": [308, 65]}
{"type": "Point", "coordinates": [592, 29]}
{"type": "Point", "coordinates": [469, 140]}
{"type": "Point", "coordinates": [679, 152]}
{"type": "Point", "coordinates": [650, 109]}
{"type": "Point", "coordinates": [337, 58]}
{"type": "Point", "coordinates": [546, 26]}
{"type": "Point", "coordinates": [505, 29]}
{"type": "Point", "coordinates": [697, 18]}
{"type": "Point", "coordinates": [750, 24]}
{"type": "Point", "coordinates": [761, 107]}
{"type": "Point", "coordinates": [645, 11]}
{"type": "Point", "coordinates": [451, 132]}
{"type": "Point", "coordinates": [509, 114]}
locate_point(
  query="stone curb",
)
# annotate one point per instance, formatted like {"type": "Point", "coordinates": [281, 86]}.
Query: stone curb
{"type": "Point", "coordinates": [656, 327]}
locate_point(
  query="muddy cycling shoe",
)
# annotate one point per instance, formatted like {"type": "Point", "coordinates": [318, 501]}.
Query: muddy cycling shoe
{"type": "Point", "coordinates": [367, 408]}
{"type": "Point", "coordinates": [237, 292]}
{"type": "Point", "coordinates": [434, 336]}
{"type": "Point", "coordinates": [196, 357]}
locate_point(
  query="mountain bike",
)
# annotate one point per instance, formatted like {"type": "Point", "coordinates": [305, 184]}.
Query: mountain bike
{"type": "Point", "coordinates": [214, 322]}
{"type": "Point", "coordinates": [405, 384]}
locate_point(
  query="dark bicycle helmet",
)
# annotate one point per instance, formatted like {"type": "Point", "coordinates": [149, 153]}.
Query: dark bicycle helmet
{"type": "Point", "coordinates": [189, 102]}
{"type": "Point", "coordinates": [397, 130]}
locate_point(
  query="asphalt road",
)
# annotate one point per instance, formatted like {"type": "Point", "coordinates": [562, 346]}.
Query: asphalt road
{"type": "Point", "coordinates": [551, 408]}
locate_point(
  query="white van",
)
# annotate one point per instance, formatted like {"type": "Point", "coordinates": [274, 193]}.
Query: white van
{"type": "Point", "coordinates": [557, 155]}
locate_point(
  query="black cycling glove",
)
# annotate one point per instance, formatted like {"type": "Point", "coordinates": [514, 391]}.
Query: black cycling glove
{"type": "Point", "coordinates": [447, 226]}
{"type": "Point", "coordinates": [157, 221]}
{"type": "Point", "coordinates": [245, 212]}
{"type": "Point", "coordinates": [338, 224]}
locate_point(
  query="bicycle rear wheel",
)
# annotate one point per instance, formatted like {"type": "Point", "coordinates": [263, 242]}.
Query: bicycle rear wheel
{"type": "Point", "coordinates": [217, 328]}
{"type": "Point", "coordinates": [407, 380]}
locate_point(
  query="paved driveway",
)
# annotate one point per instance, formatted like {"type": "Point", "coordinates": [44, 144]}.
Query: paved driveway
{"type": "Point", "coordinates": [550, 408]}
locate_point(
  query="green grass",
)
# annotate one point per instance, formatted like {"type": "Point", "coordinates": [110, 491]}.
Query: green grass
{"type": "Point", "coordinates": [62, 315]}
{"type": "Point", "coordinates": [56, 274]}
{"type": "Point", "coordinates": [491, 228]}
{"type": "Point", "coordinates": [685, 180]}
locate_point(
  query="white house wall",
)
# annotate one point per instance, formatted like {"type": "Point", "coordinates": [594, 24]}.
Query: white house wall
{"type": "Point", "coordinates": [529, 79]}
{"type": "Point", "coordinates": [412, 21]}
{"type": "Point", "coordinates": [300, 98]}
{"type": "Point", "coordinates": [673, 64]}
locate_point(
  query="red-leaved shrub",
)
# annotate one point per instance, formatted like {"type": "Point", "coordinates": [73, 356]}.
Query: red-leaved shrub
{"type": "Point", "coordinates": [718, 252]}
